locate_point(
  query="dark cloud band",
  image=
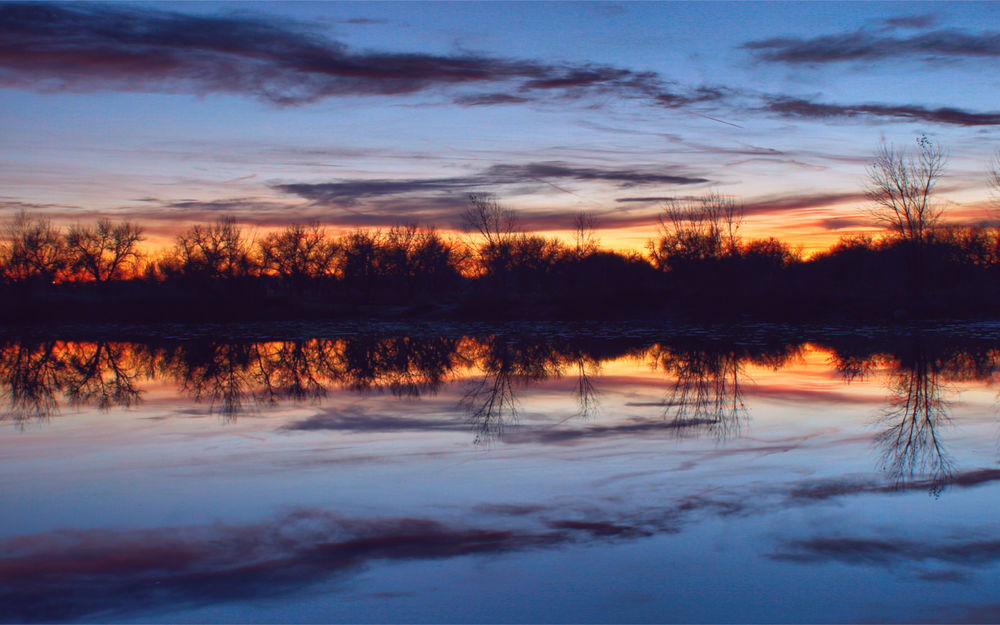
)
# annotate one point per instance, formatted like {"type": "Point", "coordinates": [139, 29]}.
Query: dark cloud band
{"type": "Point", "coordinates": [865, 45]}
{"type": "Point", "coordinates": [806, 109]}
{"type": "Point", "coordinates": [113, 47]}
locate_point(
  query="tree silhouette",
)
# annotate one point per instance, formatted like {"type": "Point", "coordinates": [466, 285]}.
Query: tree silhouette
{"type": "Point", "coordinates": [585, 241]}
{"type": "Point", "coordinates": [33, 250]}
{"type": "Point", "coordinates": [220, 250]}
{"type": "Point", "coordinates": [698, 229]}
{"type": "Point", "coordinates": [901, 184]}
{"type": "Point", "coordinates": [103, 251]}
{"type": "Point", "coordinates": [298, 253]}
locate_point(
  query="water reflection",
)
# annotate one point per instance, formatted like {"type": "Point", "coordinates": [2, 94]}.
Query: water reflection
{"type": "Point", "coordinates": [355, 489]}
{"type": "Point", "coordinates": [911, 445]}
{"type": "Point", "coordinates": [103, 374]}
{"type": "Point", "coordinates": [704, 382]}
{"type": "Point", "coordinates": [917, 375]}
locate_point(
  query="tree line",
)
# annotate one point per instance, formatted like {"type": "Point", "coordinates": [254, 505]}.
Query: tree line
{"type": "Point", "coordinates": [698, 263]}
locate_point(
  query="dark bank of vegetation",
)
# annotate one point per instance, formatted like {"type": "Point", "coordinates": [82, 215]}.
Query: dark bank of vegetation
{"type": "Point", "coordinates": [698, 266]}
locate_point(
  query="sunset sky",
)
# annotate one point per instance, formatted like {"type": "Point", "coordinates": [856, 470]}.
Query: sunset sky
{"type": "Point", "coordinates": [371, 114]}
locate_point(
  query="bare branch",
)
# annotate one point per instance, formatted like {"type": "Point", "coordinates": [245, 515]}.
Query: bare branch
{"type": "Point", "coordinates": [901, 185]}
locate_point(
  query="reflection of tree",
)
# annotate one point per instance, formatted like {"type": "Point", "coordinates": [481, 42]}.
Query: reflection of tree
{"type": "Point", "coordinates": [35, 375]}
{"type": "Point", "coordinates": [236, 376]}
{"type": "Point", "coordinates": [490, 401]}
{"type": "Point", "coordinates": [910, 443]}
{"type": "Point", "coordinates": [587, 395]}
{"type": "Point", "coordinates": [32, 376]}
{"type": "Point", "coordinates": [223, 374]}
{"type": "Point", "coordinates": [706, 391]}
{"type": "Point", "coordinates": [911, 446]}
{"type": "Point", "coordinates": [294, 370]}
{"type": "Point", "coordinates": [406, 366]}
{"type": "Point", "coordinates": [102, 373]}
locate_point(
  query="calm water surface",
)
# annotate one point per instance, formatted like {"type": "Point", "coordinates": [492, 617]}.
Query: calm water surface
{"type": "Point", "coordinates": [500, 475]}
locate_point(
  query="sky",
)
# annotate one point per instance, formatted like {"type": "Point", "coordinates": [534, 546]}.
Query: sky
{"type": "Point", "coordinates": [375, 114]}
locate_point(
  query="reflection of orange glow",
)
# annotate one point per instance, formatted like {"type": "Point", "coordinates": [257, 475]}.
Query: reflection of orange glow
{"type": "Point", "coordinates": [37, 377]}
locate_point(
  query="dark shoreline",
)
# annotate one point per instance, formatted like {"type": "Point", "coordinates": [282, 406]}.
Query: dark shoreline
{"type": "Point", "coordinates": [675, 330]}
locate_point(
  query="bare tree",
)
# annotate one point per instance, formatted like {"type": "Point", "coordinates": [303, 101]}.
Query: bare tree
{"type": "Point", "coordinates": [584, 226]}
{"type": "Point", "coordinates": [901, 184]}
{"type": "Point", "coordinates": [698, 229]}
{"type": "Point", "coordinates": [993, 179]}
{"type": "Point", "coordinates": [217, 251]}
{"type": "Point", "coordinates": [105, 250]}
{"type": "Point", "coordinates": [490, 219]}
{"type": "Point", "coordinates": [498, 227]}
{"type": "Point", "coordinates": [33, 250]}
{"type": "Point", "coordinates": [298, 252]}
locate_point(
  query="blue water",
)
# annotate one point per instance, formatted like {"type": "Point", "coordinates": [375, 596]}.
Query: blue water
{"type": "Point", "coordinates": [466, 479]}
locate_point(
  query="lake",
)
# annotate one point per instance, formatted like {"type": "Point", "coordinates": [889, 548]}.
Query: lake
{"type": "Point", "coordinates": [475, 473]}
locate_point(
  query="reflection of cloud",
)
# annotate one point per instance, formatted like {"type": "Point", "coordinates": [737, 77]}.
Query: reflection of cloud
{"type": "Point", "coordinates": [90, 47]}
{"type": "Point", "coordinates": [67, 574]}
{"type": "Point", "coordinates": [71, 574]}
{"type": "Point", "coordinates": [989, 613]}
{"type": "Point", "coordinates": [813, 396]}
{"type": "Point", "coordinates": [354, 419]}
{"type": "Point", "coordinates": [889, 551]}
{"type": "Point", "coordinates": [808, 109]}
{"type": "Point", "coordinates": [560, 436]}
{"type": "Point", "coordinates": [866, 45]}
{"type": "Point", "coordinates": [822, 490]}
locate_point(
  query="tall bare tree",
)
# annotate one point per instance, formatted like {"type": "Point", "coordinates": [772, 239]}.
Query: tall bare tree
{"type": "Point", "coordinates": [584, 240]}
{"type": "Point", "coordinates": [498, 226]}
{"type": "Point", "coordinates": [901, 185]}
{"type": "Point", "coordinates": [993, 177]}
{"type": "Point", "coordinates": [33, 250]}
{"type": "Point", "coordinates": [104, 251]}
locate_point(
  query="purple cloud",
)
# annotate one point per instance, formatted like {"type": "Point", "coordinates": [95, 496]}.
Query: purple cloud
{"type": "Point", "coordinates": [55, 47]}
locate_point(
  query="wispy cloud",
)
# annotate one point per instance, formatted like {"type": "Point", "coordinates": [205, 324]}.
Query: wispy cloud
{"type": "Point", "coordinates": [924, 20]}
{"type": "Point", "coordinates": [622, 176]}
{"type": "Point", "coordinates": [865, 45]}
{"type": "Point", "coordinates": [365, 21]}
{"type": "Point", "coordinates": [646, 200]}
{"type": "Point", "coordinates": [83, 48]}
{"type": "Point", "coordinates": [807, 109]}
{"type": "Point", "coordinates": [783, 203]}
{"type": "Point", "coordinates": [351, 192]}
